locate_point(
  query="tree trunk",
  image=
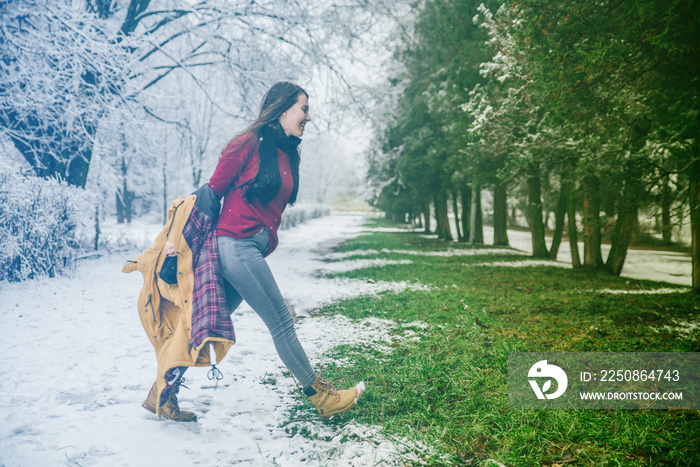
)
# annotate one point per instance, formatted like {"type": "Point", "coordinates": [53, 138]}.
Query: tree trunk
{"type": "Point", "coordinates": [441, 215]}
{"type": "Point", "coordinates": [513, 220]}
{"type": "Point", "coordinates": [165, 196]}
{"type": "Point", "coordinates": [571, 226]}
{"type": "Point", "coordinates": [622, 236]}
{"type": "Point", "coordinates": [534, 208]}
{"type": "Point", "coordinates": [124, 206]}
{"type": "Point", "coordinates": [425, 210]}
{"type": "Point", "coordinates": [559, 217]}
{"type": "Point", "coordinates": [626, 222]}
{"type": "Point", "coordinates": [592, 256]}
{"type": "Point", "coordinates": [694, 199]}
{"type": "Point", "coordinates": [666, 201]}
{"type": "Point", "coordinates": [500, 215]}
{"type": "Point", "coordinates": [455, 210]}
{"type": "Point", "coordinates": [438, 227]}
{"type": "Point", "coordinates": [476, 226]}
{"type": "Point", "coordinates": [124, 197]}
{"type": "Point", "coordinates": [97, 227]}
{"type": "Point", "coordinates": [466, 194]}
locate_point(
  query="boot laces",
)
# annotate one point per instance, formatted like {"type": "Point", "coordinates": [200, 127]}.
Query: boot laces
{"type": "Point", "coordinates": [176, 388]}
{"type": "Point", "coordinates": [327, 387]}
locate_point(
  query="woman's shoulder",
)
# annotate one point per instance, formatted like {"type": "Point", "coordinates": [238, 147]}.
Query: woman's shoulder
{"type": "Point", "coordinates": [242, 144]}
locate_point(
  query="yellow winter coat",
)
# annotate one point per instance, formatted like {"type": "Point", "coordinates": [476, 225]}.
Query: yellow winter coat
{"type": "Point", "coordinates": [166, 310]}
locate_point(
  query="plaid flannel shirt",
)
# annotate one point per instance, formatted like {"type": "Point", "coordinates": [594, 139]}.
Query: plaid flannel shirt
{"type": "Point", "coordinates": [210, 314]}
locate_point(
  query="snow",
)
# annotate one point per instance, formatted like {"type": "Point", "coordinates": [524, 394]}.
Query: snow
{"type": "Point", "coordinates": [468, 251]}
{"type": "Point", "coordinates": [77, 367]}
{"type": "Point", "coordinates": [351, 265]}
{"type": "Point", "coordinates": [525, 264]}
{"type": "Point", "coordinates": [684, 328]}
{"type": "Point", "coordinates": [662, 290]}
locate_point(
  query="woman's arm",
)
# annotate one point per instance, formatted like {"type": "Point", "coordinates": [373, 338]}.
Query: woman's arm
{"type": "Point", "coordinates": [231, 162]}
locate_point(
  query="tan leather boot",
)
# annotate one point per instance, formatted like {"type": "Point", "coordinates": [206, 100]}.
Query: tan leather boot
{"type": "Point", "coordinates": [329, 400]}
{"type": "Point", "coordinates": [171, 409]}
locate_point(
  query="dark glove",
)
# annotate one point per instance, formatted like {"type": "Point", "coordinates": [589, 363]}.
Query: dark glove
{"type": "Point", "coordinates": [169, 270]}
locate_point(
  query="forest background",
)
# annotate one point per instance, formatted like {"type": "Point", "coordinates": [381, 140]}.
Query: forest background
{"type": "Point", "coordinates": [573, 116]}
{"type": "Point", "coordinates": [578, 117]}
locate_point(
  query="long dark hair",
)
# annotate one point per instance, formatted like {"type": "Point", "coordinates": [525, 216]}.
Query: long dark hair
{"type": "Point", "coordinates": [269, 136]}
{"type": "Point", "coordinates": [276, 101]}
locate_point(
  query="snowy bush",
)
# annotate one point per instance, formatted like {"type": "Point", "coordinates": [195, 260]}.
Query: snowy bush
{"type": "Point", "coordinates": [40, 221]}
{"type": "Point", "coordinates": [300, 213]}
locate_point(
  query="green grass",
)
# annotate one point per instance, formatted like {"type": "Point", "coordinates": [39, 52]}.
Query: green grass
{"type": "Point", "coordinates": [449, 389]}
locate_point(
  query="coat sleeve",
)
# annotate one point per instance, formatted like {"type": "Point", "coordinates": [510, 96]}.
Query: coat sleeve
{"type": "Point", "coordinates": [208, 201]}
{"type": "Point", "coordinates": [233, 159]}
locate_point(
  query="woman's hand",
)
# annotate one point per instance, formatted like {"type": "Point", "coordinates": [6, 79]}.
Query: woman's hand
{"type": "Point", "coordinates": [170, 249]}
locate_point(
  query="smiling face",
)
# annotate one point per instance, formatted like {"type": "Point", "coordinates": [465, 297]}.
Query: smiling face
{"type": "Point", "coordinates": [294, 119]}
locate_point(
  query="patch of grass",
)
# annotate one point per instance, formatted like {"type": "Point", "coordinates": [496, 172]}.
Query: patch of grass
{"type": "Point", "coordinates": [449, 389]}
{"type": "Point", "coordinates": [269, 379]}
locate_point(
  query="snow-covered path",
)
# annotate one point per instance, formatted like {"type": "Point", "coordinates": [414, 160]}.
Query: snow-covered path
{"type": "Point", "coordinates": [77, 366]}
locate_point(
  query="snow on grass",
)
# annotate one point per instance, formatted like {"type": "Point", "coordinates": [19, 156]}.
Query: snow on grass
{"type": "Point", "coordinates": [448, 253]}
{"type": "Point", "coordinates": [77, 367]}
{"type": "Point", "coordinates": [663, 290]}
{"type": "Point", "coordinates": [461, 252]}
{"type": "Point", "coordinates": [524, 264]}
{"type": "Point", "coordinates": [368, 230]}
{"type": "Point", "coordinates": [338, 255]}
{"type": "Point", "coordinates": [320, 291]}
{"type": "Point", "coordinates": [686, 329]}
{"type": "Point", "coordinates": [345, 266]}
{"type": "Point", "coordinates": [377, 333]}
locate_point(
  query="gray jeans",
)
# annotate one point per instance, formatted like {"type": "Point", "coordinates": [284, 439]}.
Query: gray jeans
{"type": "Point", "coordinates": [243, 266]}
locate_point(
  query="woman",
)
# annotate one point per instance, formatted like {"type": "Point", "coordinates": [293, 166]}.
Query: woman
{"type": "Point", "coordinates": [258, 175]}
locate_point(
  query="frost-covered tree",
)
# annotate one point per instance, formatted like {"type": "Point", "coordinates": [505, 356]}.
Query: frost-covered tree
{"type": "Point", "coordinates": [62, 69]}
{"type": "Point", "coordinates": [67, 66]}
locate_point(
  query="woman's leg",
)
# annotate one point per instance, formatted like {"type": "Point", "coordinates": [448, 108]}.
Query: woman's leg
{"type": "Point", "coordinates": [233, 298]}
{"type": "Point", "coordinates": [244, 267]}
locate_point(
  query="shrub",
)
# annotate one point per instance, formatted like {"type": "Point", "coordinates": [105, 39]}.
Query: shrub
{"type": "Point", "coordinates": [40, 221]}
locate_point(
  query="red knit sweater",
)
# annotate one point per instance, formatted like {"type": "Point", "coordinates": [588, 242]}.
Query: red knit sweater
{"type": "Point", "coordinates": [238, 165]}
